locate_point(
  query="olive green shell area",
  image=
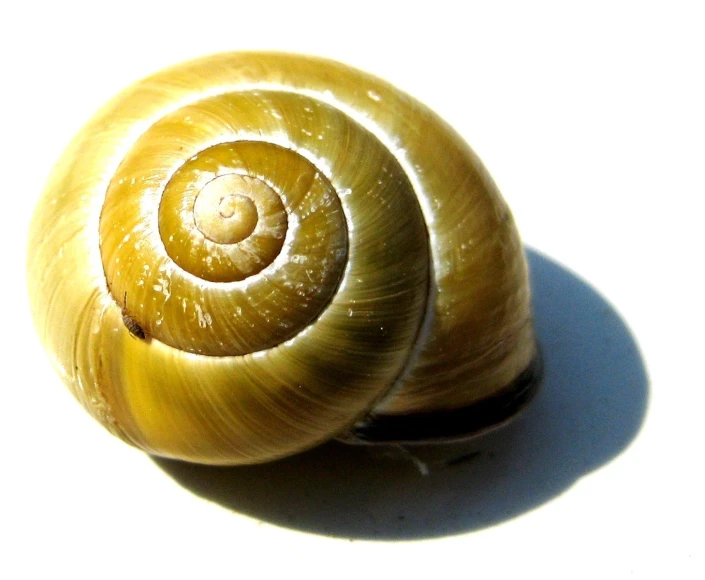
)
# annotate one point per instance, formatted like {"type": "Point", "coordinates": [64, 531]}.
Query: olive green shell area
{"type": "Point", "coordinates": [301, 245]}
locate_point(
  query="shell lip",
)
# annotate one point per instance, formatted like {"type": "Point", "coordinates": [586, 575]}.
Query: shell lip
{"type": "Point", "coordinates": [453, 425]}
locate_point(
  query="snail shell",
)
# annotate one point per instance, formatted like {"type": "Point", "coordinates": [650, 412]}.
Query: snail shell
{"type": "Point", "coordinates": [248, 254]}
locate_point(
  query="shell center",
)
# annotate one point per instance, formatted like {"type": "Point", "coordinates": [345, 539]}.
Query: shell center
{"type": "Point", "coordinates": [224, 210]}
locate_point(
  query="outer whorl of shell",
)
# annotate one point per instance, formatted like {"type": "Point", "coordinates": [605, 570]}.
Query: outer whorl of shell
{"type": "Point", "coordinates": [301, 245]}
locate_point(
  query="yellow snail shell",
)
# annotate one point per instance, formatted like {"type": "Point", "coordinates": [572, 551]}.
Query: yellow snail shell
{"type": "Point", "coordinates": [248, 254]}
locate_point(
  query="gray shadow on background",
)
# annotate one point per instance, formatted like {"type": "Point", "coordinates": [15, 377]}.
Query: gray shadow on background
{"type": "Point", "coordinates": [590, 407]}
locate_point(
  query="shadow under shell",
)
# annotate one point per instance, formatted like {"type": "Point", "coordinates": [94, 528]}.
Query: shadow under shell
{"type": "Point", "coordinates": [589, 408]}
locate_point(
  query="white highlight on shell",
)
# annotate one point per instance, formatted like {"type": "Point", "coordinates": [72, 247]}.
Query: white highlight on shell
{"type": "Point", "coordinates": [204, 319]}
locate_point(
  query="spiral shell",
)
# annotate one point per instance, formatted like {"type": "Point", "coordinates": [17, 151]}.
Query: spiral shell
{"type": "Point", "coordinates": [303, 247]}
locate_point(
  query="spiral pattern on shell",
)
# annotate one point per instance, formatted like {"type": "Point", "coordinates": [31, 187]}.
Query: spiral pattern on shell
{"type": "Point", "coordinates": [298, 241]}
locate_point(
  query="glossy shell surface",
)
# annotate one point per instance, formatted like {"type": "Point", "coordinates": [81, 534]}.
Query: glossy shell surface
{"type": "Point", "coordinates": [302, 246]}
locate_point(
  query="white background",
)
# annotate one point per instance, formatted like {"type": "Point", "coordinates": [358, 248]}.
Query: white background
{"type": "Point", "coordinates": [590, 118]}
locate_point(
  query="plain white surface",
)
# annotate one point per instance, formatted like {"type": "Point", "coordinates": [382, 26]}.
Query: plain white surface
{"type": "Point", "coordinates": [590, 118]}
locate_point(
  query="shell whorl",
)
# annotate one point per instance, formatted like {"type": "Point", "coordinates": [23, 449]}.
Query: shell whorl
{"type": "Point", "coordinates": [293, 236]}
